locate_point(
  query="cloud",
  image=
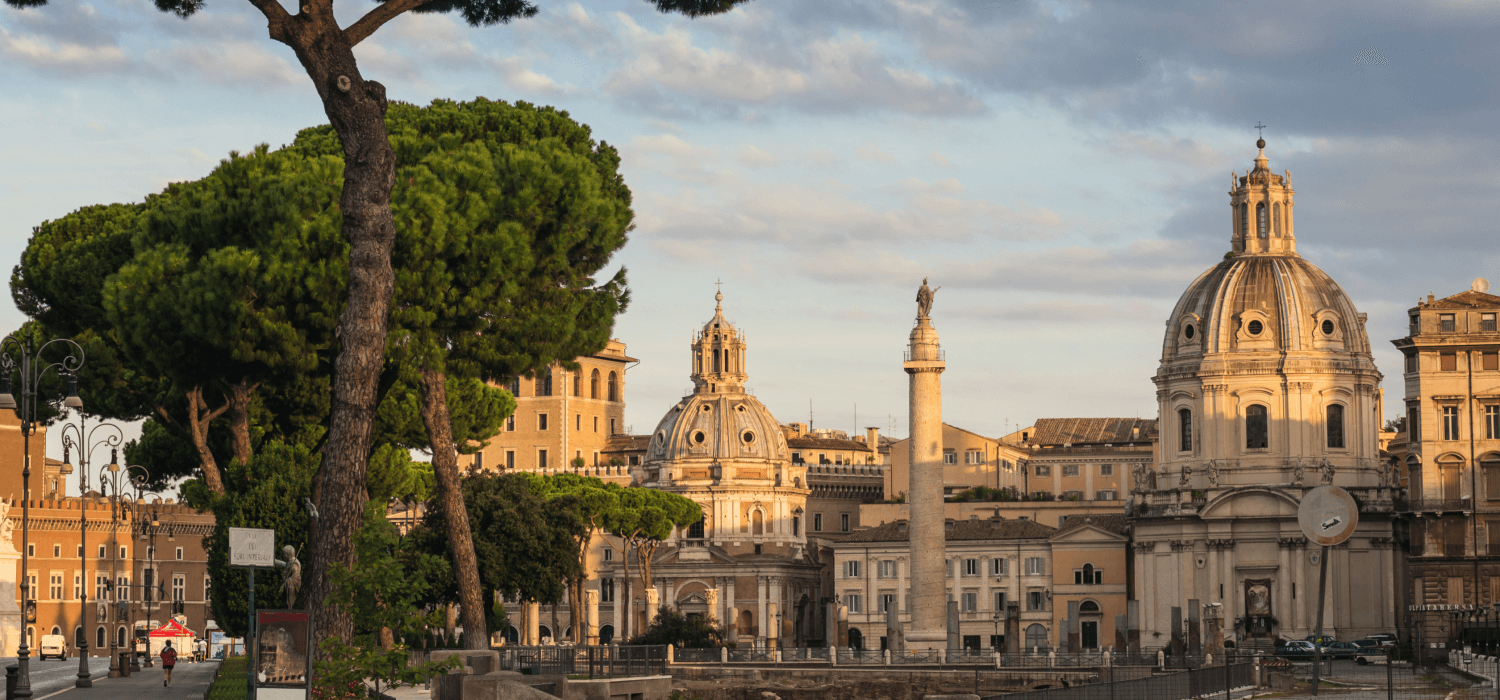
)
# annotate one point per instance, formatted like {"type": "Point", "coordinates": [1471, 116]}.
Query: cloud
{"type": "Point", "coordinates": [670, 155]}
{"type": "Point", "coordinates": [754, 157]}
{"type": "Point", "coordinates": [237, 64]}
{"type": "Point", "coordinates": [939, 160]}
{"type": "Point", "coordinates": [874, 155]}
{"type": "Point", "coordinates": [72, 40]}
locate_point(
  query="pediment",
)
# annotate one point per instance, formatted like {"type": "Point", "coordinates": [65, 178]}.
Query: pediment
{"type": "Point", "coordinates": [1251, 502]}
{"type": "Point", "coordinates": [1089, 533]}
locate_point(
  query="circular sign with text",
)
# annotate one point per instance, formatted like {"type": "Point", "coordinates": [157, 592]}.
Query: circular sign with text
{"type": "Point", "coordinates": [1327, 515]}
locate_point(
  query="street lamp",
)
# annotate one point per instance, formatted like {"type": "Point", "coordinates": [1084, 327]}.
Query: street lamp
{"type": "Point", "coordinates": [150, 524]}
{"type": "Point", "coordinates": [82, 437]}
{"type": "Point", "coordinates": [995, 641]}
{"type": "Point", "coordinates": [110, 477]}
{"type": "Point", "coordinates": [31, 368]}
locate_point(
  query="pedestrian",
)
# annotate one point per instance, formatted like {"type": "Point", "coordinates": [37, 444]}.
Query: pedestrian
{"type": "Point", "coordinates": [168, 660]}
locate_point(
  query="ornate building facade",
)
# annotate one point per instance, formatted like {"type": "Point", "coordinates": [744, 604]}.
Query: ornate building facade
{"type": "Point", "coordinates": [1266, 389]}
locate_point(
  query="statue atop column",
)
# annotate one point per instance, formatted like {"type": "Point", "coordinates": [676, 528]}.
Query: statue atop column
{"type": "Point", "coordinates": [924, 299]}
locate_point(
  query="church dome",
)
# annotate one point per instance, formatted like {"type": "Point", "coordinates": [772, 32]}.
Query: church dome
{"type": "Point", "coordinates": [1277, 302]}
{"type": "Point", "coordinates": [717, 428]}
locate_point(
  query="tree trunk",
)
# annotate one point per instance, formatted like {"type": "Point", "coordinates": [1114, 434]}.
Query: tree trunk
{"type": "Point", "coordinates": [199, 418]}
{"type": "Point", "coordinates": [577, 618]}
{"type": "Point", "coordinates": [356, 109]}
{"type": "Point", "coordinates": [455, 516]}
{"type": "Point", "coordinates": [556, 633]}
{"type": "Point", "coordinates": [238, 403]}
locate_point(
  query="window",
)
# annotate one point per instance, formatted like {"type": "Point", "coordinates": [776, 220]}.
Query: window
{"type": "Point", "coordinates": [1070, 470]}
{"type": "Point", "coordinates": [1490, 360]}
{"type": "Point", "coordinates": [1453, 536]}
{"type": "Point", "coordinates": [101, 587]}
{"type": "Point", "coordinates": [1411, 363]}
{"type": "Point", "coordinates": [1255, 327]}
{"type": "Point", "coordinates": [31, 587]}
{"type": "Point", "coordinates": [606, 590]}
{"type": "Point", "coordinates": [1072, 495]}
{"type": "Point", "coordinates": [208, 588]}
{"type": "Point", "coordinates": [1106, 470]}
{"type": "Point", "coordinates": [1492, 528]}
{"type": "Point", "coordinates": [852, 601]}
{"type": "Point", "coordinates": [1036, 566]}
{"type": "Point", "coordinates": [1043, 470]}
{"type": "Point", "coordinates": [843, 522]}
{"type": "Point", "coordinates": [609, 554]}
{"type": "Point", "coordinates": [31, 550]}
{"type": "Point", "coordinates": [1413, 424]}
{"type": "Point", "coordinates": [1000, 601]}
{"type": "Point", "coordinates": [1036, 601]}
{"type": "Point", "coordinates": [544, 384]}
{"type": "Point", "coordinates": [510, 423]}
{"type": "Point", "coordinates": [1106, 495]}
{"type": "Point", "coordinates": [594, 384]}
{"type": "Point", "coordinates": [614, 387]}
{"type": "Point", "coordinates": [997, 566]}
{"type": "Point", "coordinates": [80, 551]}
{"type": "Point", "coordinates": [179, 586]}
{"type": "Point", "coordinates": [99, 638]}
{"type": "Point", "coordinates": [851, 569]}
{"type": "Point", "coordinates": [541, 459]}
{"type": "Point", "coordinates": [1088, 575]}
{"type": "Point", "coordinates": [510, 459]}
{"type": "Point", "coordinates": [1446, 323]}
{"type": "Point", "coordinates": [179, 554]}
{"type": "Point", "coordinates": [103, 552]}
{"type": "Point", "coordinates": [887, 601]}
{"type": "Point", "coordinates": [887, 569]}
{"type": "Point", "coordinates": [973, 457]}
{"type": "Point", "coordinates": [1448, 361]}
{"type": "Point", "coordinates": [1487, 322]}
{"type": "Point", "coordinates": [1261, 225]}
{"type": "Point", "coordinates": [695, 531]}
{"type": "Point", "coordinates": [1245, 220]}
{"type": "Point", "coordinates": [478, 460]}
{"type": "Point", "coordinates": [56, 551]}
{"type": "Point", "coordinates": [817, 522]}
{"type": "Point", "coordinates": [56, 587]}
{"type": "Point", "coordinates": [950, 457]}
{"type": "Point", "coordinates": [578, 422]}
{"type": "Point", "coordinates": [1414, 324]}
{"type": "Point", "coordinates": [969, 601]}
{"type": "Point", "coordinates": [1492, 422]}
{"type": "Point", "coordinates": [1256, 437]}
{"type": "Point", "coordinates": [1276, 208]}
{"type": "Point", "coordinates": [77, 586]}
{"type": "Point", "coordinates": [541, 421]}
{"type": "Point", "coordinates": [596, 424]}
{"type": "Point", "coordinates": [971, 567]}
{"type": "Point", "coordinates": [122, 588]}
{"type": "Point", "coordinates": [1450, 423]}
{"type": "Point", "coordinates": [1335, 426]}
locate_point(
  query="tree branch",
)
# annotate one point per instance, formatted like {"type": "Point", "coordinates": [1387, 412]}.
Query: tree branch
{"type": "Point", "coordinates": [277, 19]}
{"type": "Point", "coordinates": [374, 19]}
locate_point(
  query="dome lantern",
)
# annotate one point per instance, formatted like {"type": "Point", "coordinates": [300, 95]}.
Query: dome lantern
{"type": "Point", "coordinates": [1260, 204]}
{"type": "Point", "coordinates": [719, 355]}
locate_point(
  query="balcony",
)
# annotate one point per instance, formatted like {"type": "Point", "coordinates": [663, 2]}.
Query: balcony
{"type": "Point", "coordinates": [1433, 505]}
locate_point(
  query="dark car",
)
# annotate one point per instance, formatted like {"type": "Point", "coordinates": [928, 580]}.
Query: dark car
{"type": "Point", "coordinates": [1296, 650]}
{"type": "Point", "coordinates": [1371, 655]}
{"type": "Point", "coordinates": [1341, 650]}
{"type": "Point", "coordinates": [1385, 639]}
{"type": "Point", "coordinates": [1324, 640]}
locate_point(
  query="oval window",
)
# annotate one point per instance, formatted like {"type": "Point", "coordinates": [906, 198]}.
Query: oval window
{"type": "Point", "coordinates": [699, 437]}
{"type": "Point", "coordinates": [1255, 328]}
{"type": "Point", "coordinates": [705, 407]}
{"type": "Point", "coordinates": [1189, 331]}
{"type": "Point", "coordinates": [1327, 327]}
{"type": "Point", "coordinates": [748, 437]}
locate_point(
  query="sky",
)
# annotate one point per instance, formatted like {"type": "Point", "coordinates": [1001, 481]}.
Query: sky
{"type": "Point", "coordinates": [1060, 169]}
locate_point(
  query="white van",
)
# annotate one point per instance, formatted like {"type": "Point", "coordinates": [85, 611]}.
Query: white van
{"type": "Point", "coordinates": [53, 645]}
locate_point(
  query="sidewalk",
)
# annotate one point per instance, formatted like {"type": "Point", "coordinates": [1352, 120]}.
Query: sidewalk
{"type": "Point", "coordinates": [188, 681]}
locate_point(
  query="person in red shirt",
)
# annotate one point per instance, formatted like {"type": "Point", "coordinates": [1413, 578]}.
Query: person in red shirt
{"type": "Point", "coordinates": [168, 660]}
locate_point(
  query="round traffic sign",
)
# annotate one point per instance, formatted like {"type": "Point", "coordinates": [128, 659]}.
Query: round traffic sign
{"type": "Point", "coordinates": [1327, 515]}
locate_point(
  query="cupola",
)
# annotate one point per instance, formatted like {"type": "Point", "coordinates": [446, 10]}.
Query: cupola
{"type": "Point", "coordinates": [1260, 203]}
{"type": "Point", "coordinates": [719, 355]}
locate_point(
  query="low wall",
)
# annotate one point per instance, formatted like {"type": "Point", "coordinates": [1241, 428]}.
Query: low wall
{"type": "Point", "coordinates": [713, 683]}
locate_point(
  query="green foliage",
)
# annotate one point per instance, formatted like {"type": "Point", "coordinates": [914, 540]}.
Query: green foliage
{"type": "Point", "coordinates": [985, 493]}
{"type": "Point", "coordinates": [475, 412]}
{"type": "Point", "coordinates": [267, 493]}
{"type": "Point", "coordinates": [524, 542]}
{"type": "Point", "coordinates": [230, 684]}
{"type": "Point", "coordinates": [674, 628]}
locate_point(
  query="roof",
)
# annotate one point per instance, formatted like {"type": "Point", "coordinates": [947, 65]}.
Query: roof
{"type": "Point", "coordinates": [808, 442]}
{"type": "Point", "coordinates": [961, 530]}
{"type": "Point", "coordinates": [1465, 300]}
{"type": "Point", "coordinates": [627, 443]}
{"type": "Point", "coordinates": [172, 629]}
{"type": "Point", "coordinates": [1092, 431]}
{"type": "Point", "coordinates": [1115, 523]}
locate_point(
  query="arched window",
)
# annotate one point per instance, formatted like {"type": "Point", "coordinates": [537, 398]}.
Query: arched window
{"type": "Point", "coordinates": [796, 526]}
{"type": "Point", "coordinates": [614, 387]}
{"type": "Point", "coordinates": [1262, 221]}
{"type": "Point", "coordinates": [1276, 211]}
{"type": "Point", "coordinates": [544, 383]}
{"type": "Point", "coordinates": [1245, 220]}
{"type": "Point", "coordinates": [1256, 429]}
{"type": "Point", "coordinates": [594, 385]}
{"type": "Point", "coordinates": [757, 523]}
{"type": "Point", "coordinates": [856, 639]}
{"type": "Point", "coordinates": [1036, 637]}
{"type": "Point", "coordinates": [79, 638]}
{"type": "Point", "coordinates": [1336, 426]}
{"type": "Point", "coordinates": [1088, 606]}
{"type": "Point", "coordinates": [578, 382]}
{"type": "Point", "coordinates": [695, 531]}
{"type": "Point", "coordinates": [1185, 429]}
{"type": "Point", "coordinates": [120, 636]}
{"type": "Point", "coordinates": [716, 360]}
{"type": "Point", "coordinates": [606, 634]}
{"type": "Point", "coordinates": [99, 638]}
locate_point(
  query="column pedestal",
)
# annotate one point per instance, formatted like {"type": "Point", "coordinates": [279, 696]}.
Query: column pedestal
{"type": "Point", "coordinates": [924, 365]}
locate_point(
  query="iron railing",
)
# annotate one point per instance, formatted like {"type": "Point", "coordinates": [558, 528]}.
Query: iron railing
{"type": "Point", "coordinates": [592, 661]}
{"type": "Point", "coordinates": [1171, 686]}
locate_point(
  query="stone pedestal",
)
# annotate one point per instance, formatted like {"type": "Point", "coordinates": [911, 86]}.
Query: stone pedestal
{"type": "Point", "coordinates": [1213, 629]}
{"type": "Point", "coordinates": [591, 617]}
{"type": "Point", "coordinates": [653, 605]}
{"type": "Point", "coordinates": [924, 364]}
{"type": "Point", "coordinates": [1012, 628]}
{"type": "Point", "coordinates": [732, 625]}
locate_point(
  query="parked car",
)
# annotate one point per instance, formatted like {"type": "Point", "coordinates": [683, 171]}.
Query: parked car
{"type": "Point", "coordinates": [1371, 655]}
{"type": "Point", "coordinates": [1296, 650]}
{"type": "Point", "coordinates": [54, 645]}
{"type": "Point", "coordinates": [1385, 639]}
{"type": "Point", "coordinates": [1341, 650]}
{"type": "Point", "coordinates": [1366, 643]}
{"type": "Point", "coordinates": [1324, 640]}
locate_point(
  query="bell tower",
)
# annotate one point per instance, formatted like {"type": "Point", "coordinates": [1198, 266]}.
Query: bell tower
{"type": "Point", "coordinates": [719, 355]}
{"type": "Point", "coordinates": [1260, 203]}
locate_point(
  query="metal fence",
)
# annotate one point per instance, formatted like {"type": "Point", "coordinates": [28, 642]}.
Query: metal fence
{"type": "Point", "coordinates": [592, 661]}
{"type": "Point", "coordinates": [1192, 683]}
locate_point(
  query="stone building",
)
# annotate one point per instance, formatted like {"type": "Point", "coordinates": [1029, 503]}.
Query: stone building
{"type": "Point", "coordinates": [563, 416]}
{"type": "Point", "coordinates": [1266, 389]}
{"type": "Point", "coordinates": [1451, 457]}
{"type": "Point", "coordinates": [1015, 581]}
{"type": "Point", "coordinates": [842, 473]}
{"type": "Point", "coordinates": [969, 460]}
{"type": "Point", "coordinates": [1086, 459]}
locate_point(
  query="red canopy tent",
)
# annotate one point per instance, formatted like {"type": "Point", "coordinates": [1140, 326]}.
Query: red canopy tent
{"type": "Point", "coordinates": [172, 629]}
{"type": "Point", "coordinates": [180, 637]}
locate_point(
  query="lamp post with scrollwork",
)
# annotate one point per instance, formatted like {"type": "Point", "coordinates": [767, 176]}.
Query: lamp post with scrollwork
{"type": "Point", "coordinates": [82, 437]}
{"type": "Point", "coordinates": [25, 360]}
{"type": "Point", "coordinates": [110, 482]}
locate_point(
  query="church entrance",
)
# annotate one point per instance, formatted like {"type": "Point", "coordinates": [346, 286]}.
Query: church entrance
{"type": "Point", "coordinates": [1258, 614]}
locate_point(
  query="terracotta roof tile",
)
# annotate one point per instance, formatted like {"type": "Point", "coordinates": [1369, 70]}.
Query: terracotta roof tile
{"type": "Point", "coordinates": [962, 530]}
{"type": "Point", "coordinates": [1092, 431]}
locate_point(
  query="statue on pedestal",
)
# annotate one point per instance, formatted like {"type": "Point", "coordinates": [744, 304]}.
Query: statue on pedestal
{"type": "Point", "coordinates": [924, 299]}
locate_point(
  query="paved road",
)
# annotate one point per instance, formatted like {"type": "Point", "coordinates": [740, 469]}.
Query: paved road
{"type": "Point", "coordinates": [50, 676]}
{"type": "Point", "coordinates": [189, 682]}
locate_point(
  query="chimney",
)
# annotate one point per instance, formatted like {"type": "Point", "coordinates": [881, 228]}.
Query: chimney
{"type": "Point", "coordinates": [872, 438]}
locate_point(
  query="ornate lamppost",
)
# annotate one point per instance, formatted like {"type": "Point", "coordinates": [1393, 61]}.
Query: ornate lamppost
{"type": "Point", "coordinates": [82, 437]}
{"type": "Point", "coordinates": [22, 358]}
{"type": "Point", "coordinates": [150, 524]}
{"type": "Point", "coordinates": [134, 478]}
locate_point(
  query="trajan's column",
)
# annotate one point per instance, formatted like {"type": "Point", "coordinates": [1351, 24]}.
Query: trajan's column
{"type": "Point", "coordinates": [924, 363]}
